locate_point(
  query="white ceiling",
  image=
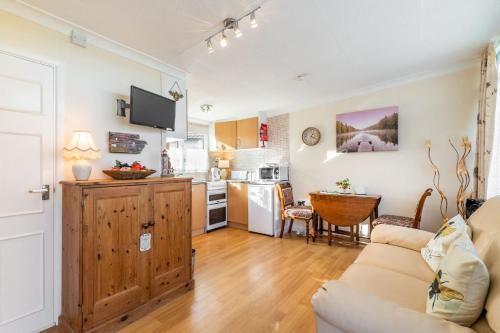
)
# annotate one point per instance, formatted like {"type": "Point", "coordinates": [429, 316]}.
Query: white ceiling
{"type": "Point", "coordinates": [343, 45]}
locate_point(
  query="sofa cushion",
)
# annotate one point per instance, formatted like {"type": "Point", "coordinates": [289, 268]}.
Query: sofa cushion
{"type": "Point", "coordinates": [485, 225]}
{"type": "Point", "coordinates": [396, 259]}
{"type": "Point", "coordinates": [460, 286]}
{"type": "Point", "coordinates": [402, 289]}
{"type": "Point", "coordinates": [434, 252]}
{"type": "Point", "coordinates": [412, 239]}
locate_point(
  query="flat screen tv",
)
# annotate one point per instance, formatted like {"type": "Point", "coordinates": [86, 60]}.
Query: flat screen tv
{"type": "Point", "coordinates": [150, 109]}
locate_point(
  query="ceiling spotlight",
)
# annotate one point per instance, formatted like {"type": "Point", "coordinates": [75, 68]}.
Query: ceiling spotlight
{"type": "Point", "coordinates": [206, 108]}
{"type": "Point", "coordinates": [223, 40]}
{"type": "Point", "coordinates": [253, 20]}
{"type": "Point", "coordinates": [210, 46]}
{"type": "Point", "coordinates": [237, 31]}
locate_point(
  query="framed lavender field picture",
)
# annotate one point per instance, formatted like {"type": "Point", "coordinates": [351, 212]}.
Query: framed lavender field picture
{"type": "Point", "coordinates": [368, 130]}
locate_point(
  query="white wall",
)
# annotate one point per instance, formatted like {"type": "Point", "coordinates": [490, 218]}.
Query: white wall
{"type": "Point", "coordinates": [91, 79]}
{"type": "Point", "coordinates": [437, 108]}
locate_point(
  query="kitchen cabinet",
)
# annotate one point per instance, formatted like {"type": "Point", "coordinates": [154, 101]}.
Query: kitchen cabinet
{"type": "Point", "coordinates": [225, 135]}
{"type": "Point", "coordinates": [238, 134]}
{"type": "Point", "coordinates": [199, 214]}
{"type": "Point", "coordinates": [111, 273]}
{"type": "Point", "coordinates": [247, 133]}
{"type": "Point", "coordinates": [237, 204]}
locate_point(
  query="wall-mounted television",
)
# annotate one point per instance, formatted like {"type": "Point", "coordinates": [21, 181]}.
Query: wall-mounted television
{"type": "Point", "coordinates": [150, 109]}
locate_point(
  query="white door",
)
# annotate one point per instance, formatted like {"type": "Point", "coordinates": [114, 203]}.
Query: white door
{"type": "Point", "coordinates": [27, 114]}
{"type": "Point", "coordinates": [261, 209]}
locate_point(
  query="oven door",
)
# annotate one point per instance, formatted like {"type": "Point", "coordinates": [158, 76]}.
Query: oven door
{"type": "Point", "coordinates": [266, 173]}
{"type": "Point", "coordinates": [216, 216]}
{"type": "Point", "coordinates": [216, 196]}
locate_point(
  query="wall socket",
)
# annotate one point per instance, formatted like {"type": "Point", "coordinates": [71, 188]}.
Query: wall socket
{"type": "Point", "coordinates": [78, 38]}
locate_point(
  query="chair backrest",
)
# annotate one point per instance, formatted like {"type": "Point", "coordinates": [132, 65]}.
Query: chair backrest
{"type": "Point", "coordinates": [420, 208]}
{"type": "Point", "coordinates": [485, 225]}
{"type": "Point", "coordinates": [285, 194]}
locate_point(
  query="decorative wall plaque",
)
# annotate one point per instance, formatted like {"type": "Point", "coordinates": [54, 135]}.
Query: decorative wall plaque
{"type": "Point", "coordinates": [125, 143]}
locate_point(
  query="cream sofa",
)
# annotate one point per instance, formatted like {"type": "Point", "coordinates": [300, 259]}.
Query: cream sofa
{"type": "Point", "coordinates": [385, 289]}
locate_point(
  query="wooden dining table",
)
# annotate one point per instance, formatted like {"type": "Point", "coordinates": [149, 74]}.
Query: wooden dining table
{"type": "Point", "coordinates": [343, 210]}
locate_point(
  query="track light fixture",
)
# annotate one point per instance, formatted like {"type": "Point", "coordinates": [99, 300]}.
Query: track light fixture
{"type": "Point", "coordinates": [223, 39]}
{"type": "Point", "coordinates": [210, 46]}
{"type": "Point", "coordinates": [206, 108]}
{"type": "Point", "coordinates": [253, 20]}
{"type": "Point", "coordinates": [231, 24]}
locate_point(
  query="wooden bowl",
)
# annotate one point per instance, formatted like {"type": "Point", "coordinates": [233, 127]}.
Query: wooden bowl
{"type": "Point", "coordinates": [132, 174]}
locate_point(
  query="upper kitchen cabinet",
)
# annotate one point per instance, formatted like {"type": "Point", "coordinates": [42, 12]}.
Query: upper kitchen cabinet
{"type": "Point", "coordinates": [247, 133]}
{"type": "Point", "coordinates": [225, 135]}
{"type": "Point", "coordinates": [176, 83]}
{"type": "Point", "coordinates": [237, 134]}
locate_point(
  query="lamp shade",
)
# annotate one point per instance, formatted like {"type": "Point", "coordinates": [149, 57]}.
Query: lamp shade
{"type": "Point", "coordinates": [82, 147]}
{"type": "Point", "coordinates": [223, 164]}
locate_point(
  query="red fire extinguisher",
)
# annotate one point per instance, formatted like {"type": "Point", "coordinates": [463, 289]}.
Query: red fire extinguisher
{"type": "Point", "coordinates": [263, 134]}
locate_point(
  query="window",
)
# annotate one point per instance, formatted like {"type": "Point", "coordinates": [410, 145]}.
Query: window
{"type": "Point", "coordinates": [190, 155]}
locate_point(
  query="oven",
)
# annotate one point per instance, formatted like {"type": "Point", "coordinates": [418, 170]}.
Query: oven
{"type": "Point", "coordinates": [216, 204]}
{"type": "Point", "coordinates": [216, 215]}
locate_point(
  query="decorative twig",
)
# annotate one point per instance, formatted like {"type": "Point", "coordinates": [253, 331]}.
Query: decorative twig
{"type": "Point", "coordinates": [462, 174]}
{"type": "Point", "coordinates": [436, 180]}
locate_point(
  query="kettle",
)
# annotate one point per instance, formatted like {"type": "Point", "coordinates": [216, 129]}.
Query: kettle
{"type": "Point", "coordinates": [215, 173]}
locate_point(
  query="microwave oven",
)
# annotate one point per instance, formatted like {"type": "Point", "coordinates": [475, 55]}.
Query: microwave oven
{"type": "Point", "coordinates": [278, 173]}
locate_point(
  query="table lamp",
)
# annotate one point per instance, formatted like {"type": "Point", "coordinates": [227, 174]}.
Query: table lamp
{"type": "Point", "coordinates": [81, 148]}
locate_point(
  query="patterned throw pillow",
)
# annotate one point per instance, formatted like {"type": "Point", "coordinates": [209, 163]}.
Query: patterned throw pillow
{"type": "Point", "coordinates": [460, 285]}
{"type": "Point", "coordinates": [437, 247]}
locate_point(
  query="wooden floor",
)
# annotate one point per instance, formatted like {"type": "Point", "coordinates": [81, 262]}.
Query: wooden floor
{"type": "Point", "coordinates": [250, 283]}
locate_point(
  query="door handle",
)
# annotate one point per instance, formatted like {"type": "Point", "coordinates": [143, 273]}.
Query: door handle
{"type": "Point", "coordinates": [45, 191]}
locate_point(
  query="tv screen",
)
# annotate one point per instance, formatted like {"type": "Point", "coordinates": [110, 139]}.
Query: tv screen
{"type": "Point", "coordinates": [150, 109]}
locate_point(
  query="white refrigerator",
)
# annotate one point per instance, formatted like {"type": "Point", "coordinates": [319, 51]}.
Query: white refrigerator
{"type": "Point", "coordinates": [263, 209]}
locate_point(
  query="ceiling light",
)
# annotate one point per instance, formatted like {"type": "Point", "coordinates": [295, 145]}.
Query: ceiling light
{"type": "Point", "coordinates": [210, 46]}
{"type": "Point", "coordinates": [223, 40]}
{"type": "Point", "coordinates": [237, 31]}
{"type": "Point", "coordinates": [253, 20]}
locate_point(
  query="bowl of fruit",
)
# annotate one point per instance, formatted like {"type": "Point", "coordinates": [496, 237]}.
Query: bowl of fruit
{"type": "Point", "coordinates": [129, 171]}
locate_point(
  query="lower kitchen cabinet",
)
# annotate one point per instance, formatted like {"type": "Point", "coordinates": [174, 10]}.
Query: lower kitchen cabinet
{"type": "Point", "coordinates": [237, 204]}
{"type": "Point", "coordinates": [199, 204]}
{"type": "Point", "coordinates": [126, 250]}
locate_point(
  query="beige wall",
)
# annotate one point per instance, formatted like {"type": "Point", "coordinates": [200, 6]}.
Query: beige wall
{"type": "Point", "coordinates": [90, 81]}
{"type": "Point", "coordinates": [438, 108]}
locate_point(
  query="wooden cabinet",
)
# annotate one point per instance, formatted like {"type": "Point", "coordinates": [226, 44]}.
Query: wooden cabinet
{"type": "Point", "coordinates": [237, 204]}
{"type": "Point", "coordinates": [199, 214]}
{"type": "Point", "coordinates": [247, 133]}
{"type": "Point", "coordinates": [239, 134]}
{"type": "Point", "coordinates": [225, 135]}
{"type": "Point", "coordinates": [107, 281]}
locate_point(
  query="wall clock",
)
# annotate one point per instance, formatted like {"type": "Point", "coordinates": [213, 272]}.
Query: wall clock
{"type": "Point", "coordinates": [311, 136]}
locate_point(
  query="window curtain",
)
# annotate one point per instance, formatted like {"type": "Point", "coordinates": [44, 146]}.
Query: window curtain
{"type": "Point", "coordinates": [486, 122]}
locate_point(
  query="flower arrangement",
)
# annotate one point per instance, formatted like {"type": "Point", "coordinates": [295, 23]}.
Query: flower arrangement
{"type": "Point", "coordinates": [343, 185]}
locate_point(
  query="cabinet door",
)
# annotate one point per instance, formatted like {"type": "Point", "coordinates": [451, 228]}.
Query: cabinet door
{"type": "Point", "coordinates": [199, 208]}
{"type": "Point", "coordinates": [115, 275]}
{"type": "Point", "coordinates": [237, 203]}
{"type": "Point", "coordinates": [225, 135]}
{"type": "Point", "coordinates": [247, 131]}
{"type": "Point", "coordinates": [171, 257]}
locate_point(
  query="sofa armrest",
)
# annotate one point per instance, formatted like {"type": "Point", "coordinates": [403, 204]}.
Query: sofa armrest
{"type": "Point", "coordinates": [352, 310]}
{"type": "Point", "coordinates": [412, 239]}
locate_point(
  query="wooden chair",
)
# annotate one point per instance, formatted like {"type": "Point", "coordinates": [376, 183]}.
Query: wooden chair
{"type": "Point", "coordinates": [404, 221]}
{"type": "Point", "coordinates": [292, 211]}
